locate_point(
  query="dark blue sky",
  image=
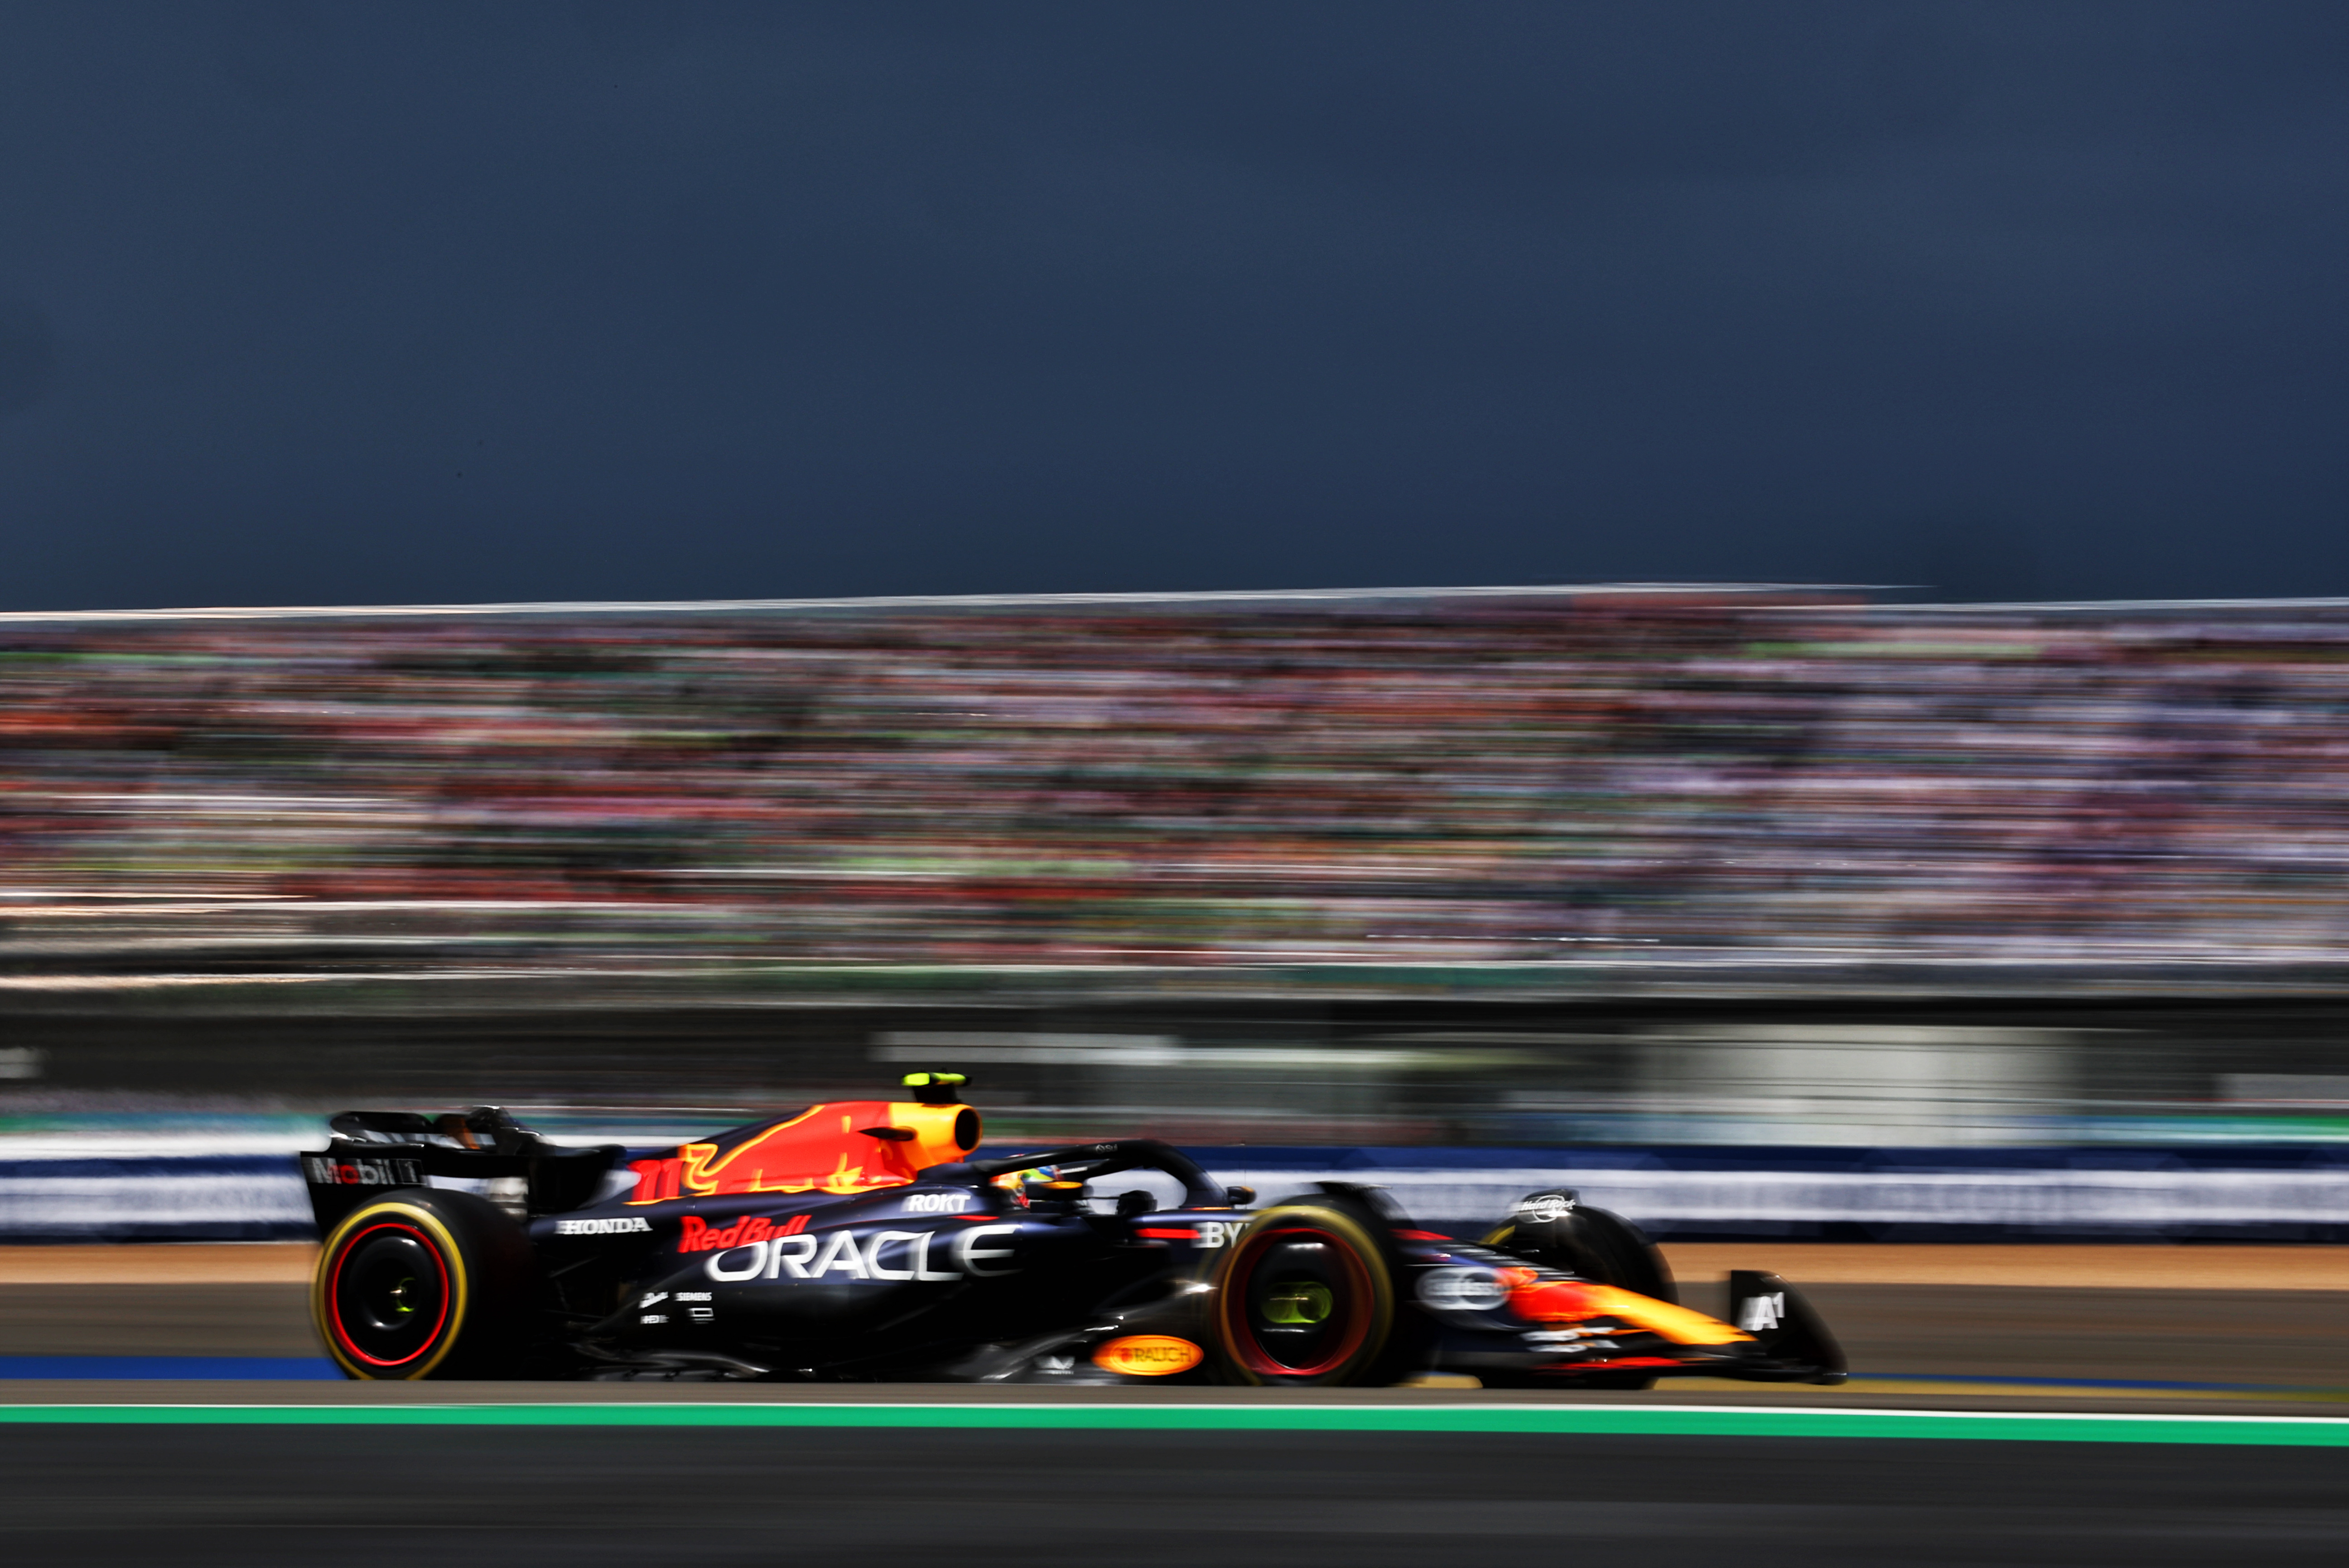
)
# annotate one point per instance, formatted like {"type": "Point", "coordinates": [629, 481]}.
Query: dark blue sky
{"type": "Point", "coordinates": [363, 303]}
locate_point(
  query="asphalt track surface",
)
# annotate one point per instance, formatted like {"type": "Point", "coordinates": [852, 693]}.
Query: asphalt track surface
{"type": "Point", "coordinates": [357, 1497]}
{"type": "Point", "coordinates": [2009, 1425]}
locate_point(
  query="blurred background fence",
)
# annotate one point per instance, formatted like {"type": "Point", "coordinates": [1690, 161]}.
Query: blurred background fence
{"type": "Point", "coordinates": [1609, 868]}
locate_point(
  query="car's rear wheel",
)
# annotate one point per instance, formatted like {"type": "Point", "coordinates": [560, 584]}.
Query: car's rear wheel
{"type": "Point", "coordinates": [1308, 1297]}
{"type": "Point", "coordinates": [422, 1283]}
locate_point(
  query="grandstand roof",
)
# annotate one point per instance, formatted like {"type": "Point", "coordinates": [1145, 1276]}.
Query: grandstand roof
{"type": "Point", "coordinates": [1805, 595]}
{"type": "Point", "coordinates": [936, 602]}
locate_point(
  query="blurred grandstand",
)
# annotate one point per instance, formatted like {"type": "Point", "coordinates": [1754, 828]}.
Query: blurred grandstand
{"type": "Point", "coordinates": [1677, 865]}
{"type": "Point", "coordinates": [1618, 788]}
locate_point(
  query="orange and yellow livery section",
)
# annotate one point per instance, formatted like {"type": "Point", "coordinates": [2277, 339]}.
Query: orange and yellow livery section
{"type": "Point", "coordinates": [842, 1146]}
{"type": "Point", "coordinates": [1539, 1300]}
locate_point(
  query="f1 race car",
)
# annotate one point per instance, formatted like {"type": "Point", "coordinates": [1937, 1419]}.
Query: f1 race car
{"type": "Point", "coordinates": [860, 1239]}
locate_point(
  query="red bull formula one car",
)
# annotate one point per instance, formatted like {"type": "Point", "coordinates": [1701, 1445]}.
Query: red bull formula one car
{"type": "Point", "coordinates": [860, 1239]}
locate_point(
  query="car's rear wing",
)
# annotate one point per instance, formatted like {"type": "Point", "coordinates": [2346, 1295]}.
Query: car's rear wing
{"type": "Point", "coordinates": [483, 1150]}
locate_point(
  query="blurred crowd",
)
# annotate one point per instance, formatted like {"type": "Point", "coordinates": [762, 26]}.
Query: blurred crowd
{"type": "Point", "coordinates": [1581, 780]}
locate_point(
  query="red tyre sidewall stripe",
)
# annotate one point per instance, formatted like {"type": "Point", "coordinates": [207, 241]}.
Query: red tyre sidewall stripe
{"type": "Point", "coordinates": [334, 1292]}
{"type": "Point", "coordinates": [1360, 1311]}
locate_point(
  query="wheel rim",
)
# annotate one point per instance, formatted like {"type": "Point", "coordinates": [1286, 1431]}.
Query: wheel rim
{"type": "Point", "coordinates": [1301, 1299]}
{"type": "Point", "coordinates": [389, 1297]}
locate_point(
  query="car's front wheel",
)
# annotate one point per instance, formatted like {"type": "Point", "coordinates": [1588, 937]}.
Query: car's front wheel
{"type": "Point", "coordinates": [1308, 1297]}
{"type": "Point", "coordinates": [422, 1283]}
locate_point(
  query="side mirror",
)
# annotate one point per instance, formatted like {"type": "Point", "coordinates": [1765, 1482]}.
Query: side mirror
{"type": "Point", "coordinates": [1239, 1197]}
{"type": "Point", "coordinates": [1130, 1204]}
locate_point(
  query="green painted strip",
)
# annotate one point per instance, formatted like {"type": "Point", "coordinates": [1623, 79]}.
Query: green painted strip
{"type": "Point", "coordinates": [1674, 1420]}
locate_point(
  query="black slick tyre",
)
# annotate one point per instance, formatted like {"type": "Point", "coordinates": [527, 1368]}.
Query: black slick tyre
{"type": "Point", "coordinates": [423, 1283]}
{"type": "Point", "coordinates": [1306, 1296]}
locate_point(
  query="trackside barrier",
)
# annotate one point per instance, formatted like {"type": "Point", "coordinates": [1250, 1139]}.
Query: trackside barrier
{"type": "Point", "coordinates": [2237, 1193]}
{"type": "Point", "coordinates": [199, 1198]}
{"type": "Point", "coordinates": [2241, 1193]}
